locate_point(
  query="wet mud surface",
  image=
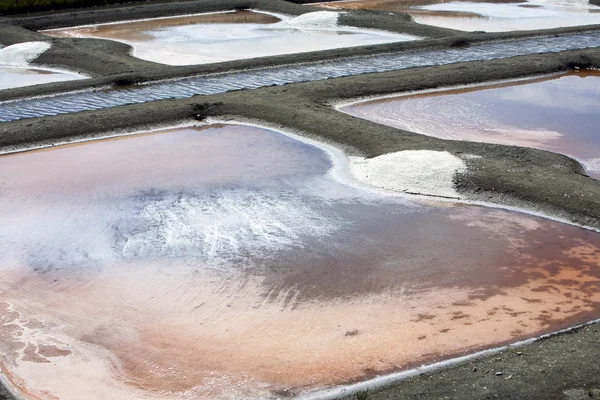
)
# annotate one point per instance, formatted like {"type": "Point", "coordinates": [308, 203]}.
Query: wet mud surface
{"type": "Point", "coordinates": [256, 260]}
{"type": "Point", "coordinates": [556, 114]}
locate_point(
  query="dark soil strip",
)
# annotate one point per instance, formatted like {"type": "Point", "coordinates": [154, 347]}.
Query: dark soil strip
{"type": "Point", "coordinates": [4, 394]}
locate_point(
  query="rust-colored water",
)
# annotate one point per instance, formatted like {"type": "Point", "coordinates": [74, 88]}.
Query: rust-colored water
{"type": "Point", "coordinates": [225, 262]}
{"type": "Point", "coordinates": [557, 114]}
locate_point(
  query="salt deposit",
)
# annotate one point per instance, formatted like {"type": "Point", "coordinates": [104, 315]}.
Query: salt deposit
{"type": "Point", "coordinates": [16, 71]}
{"type": "Point", "coordinates": [124, 247]}
{"type": "Point", "coordinates": [313, 20]}
{"type": "Point", "coordinates": [21, 54]}
{"type": "Point", "coordinates": [423, 172]}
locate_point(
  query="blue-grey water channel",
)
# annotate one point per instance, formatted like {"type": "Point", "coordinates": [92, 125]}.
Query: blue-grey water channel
{"type": "Point", "coordinates": [313, 71]}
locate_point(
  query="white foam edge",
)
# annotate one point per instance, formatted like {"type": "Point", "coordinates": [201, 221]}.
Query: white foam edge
{"type": "Point", "coordinates": [385, 380]}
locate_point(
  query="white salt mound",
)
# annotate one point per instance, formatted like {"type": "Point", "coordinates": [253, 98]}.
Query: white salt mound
{"type": "Point", "coordinates": [592, 165]}
{"type": "Point", "coordinates": [314, 20]}
{"type": "Point", "coordinates": [413, 171]}
{"type": "Point", "coordinates": [21, 54]}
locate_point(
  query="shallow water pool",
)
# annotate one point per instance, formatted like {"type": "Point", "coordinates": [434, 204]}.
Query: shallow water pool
{"type": "Point", "coordinates": [209, 38]}
{"type": "Point", "coordinates": [558, 114]}
{"type": "Point", "coordinates": [13, 77]}
{"type": "Point", "coordinates": [488, 16]}
{"type": "Point", "coordinates": [234, 262]}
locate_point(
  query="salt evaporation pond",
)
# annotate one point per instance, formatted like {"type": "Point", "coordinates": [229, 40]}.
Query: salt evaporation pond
{"type": "Point", "coordinates": [488, 16]}
{"type": "Point", "coordinates": [16, 70]}
{"type": "Point", "coordinates": [231, 262]}
{"type": "Point", "coordinates": [209, 38]}
{"type": "Point", "coordinates": [12, 77]}
{"type": "Point", "coordinates": [558, 114]}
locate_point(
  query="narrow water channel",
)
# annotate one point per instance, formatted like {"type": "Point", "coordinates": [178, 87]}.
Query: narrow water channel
{"type": "Point", "coordinates": [227, 262]}
{"type": "Point", "coordinates": [250, 79]}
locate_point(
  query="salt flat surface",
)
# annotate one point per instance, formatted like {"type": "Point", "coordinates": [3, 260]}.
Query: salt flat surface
{"type": "Point", "coordinates": [21, 54]}
{"type": "Point", "coordinates": [423, 172]}
{"type": "Point", "coordinates": [227, 262]}
{"type": "Point", "coordinates": [169, 41]}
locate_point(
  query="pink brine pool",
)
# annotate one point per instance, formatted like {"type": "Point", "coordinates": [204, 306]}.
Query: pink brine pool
{"type": "Point", "coordinates": [558, 114]}
{"type": "Point", "coordinates": [226, 262]}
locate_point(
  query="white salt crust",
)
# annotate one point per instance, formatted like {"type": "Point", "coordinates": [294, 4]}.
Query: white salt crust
{"type": "Point", "coordinates": [21, 54]}
{"type": "Point", "coordinates": [424, 172]}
